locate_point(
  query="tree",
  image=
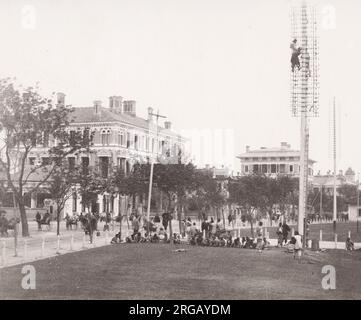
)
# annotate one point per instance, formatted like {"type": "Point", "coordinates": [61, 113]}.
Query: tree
{"type": "Point", "coordinates": [288, 192]}
{"type": "Point", "coordinates": [349, 193]}
{"type": "Point", "coordinates": [248, 192]}
{"type": "Point", "coordinates": [208, 193]}
{"type": "Point", "coordinates": [90, 184]}
{"type": "Point", "coordinates": [26, 120]}
{"type": "Point", "coordinates": [176, 181]}
{"type": "Point", "coordinates": [60, 185]}
{"type": "Point", "coordinates": [131, 185]}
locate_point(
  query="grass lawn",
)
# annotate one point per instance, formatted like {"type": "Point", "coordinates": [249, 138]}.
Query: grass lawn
{"type": "Point", "coordinates": [154, 271]}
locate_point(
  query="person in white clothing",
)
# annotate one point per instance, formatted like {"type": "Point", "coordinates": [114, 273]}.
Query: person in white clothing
{"type": "Point", "coordinates": [298, 246]}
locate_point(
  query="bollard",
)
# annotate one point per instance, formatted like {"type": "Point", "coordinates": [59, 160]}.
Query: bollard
{"type": "Point", "coordinates": [25, 249]}
{"type": "Point", "coordinates": [349, 234]}
{"type": "Point", "coordinates": [320, 234]}
{"type": "Point", "coordinates": [335, 240]}
{"type": "Point", "coordinates": [3, 254]}
{"type": "Point", "coordinates": [58, 244]}
{"type": "Point", "coordinates": [43, 246]}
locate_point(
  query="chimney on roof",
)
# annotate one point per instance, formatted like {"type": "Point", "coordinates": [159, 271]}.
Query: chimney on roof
{"type": "Point", "coordinates": [129, 107]}
{"type": "Point", "coordinates": [168, 125]}
{"type": "Point", "coordinates": [285, 145]}
{"type": "Point", "coordinates": [115, 104]}
{"type": "Point", "coordinates": [97, 106]}
{"type": "Point", "coordinates": [60, 99]}
{"type": "Point", "coordinates": [150, 115]}
{"type": "Point", "coordinates": [247, 148]}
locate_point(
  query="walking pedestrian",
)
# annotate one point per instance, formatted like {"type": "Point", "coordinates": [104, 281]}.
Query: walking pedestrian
{"type": "Point", "coordinates": [298, 246]}
{"type": "Point", "coordinates": [285, 230]}
{"type": "Point", "coordinates": [280, 235]}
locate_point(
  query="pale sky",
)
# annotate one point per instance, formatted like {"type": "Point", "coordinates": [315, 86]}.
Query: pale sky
{"type": "Point", "coordinates": [208, 65]}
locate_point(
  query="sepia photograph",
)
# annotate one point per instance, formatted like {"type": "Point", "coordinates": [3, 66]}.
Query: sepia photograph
{"type": "Point", "coordinates": [195, 152]}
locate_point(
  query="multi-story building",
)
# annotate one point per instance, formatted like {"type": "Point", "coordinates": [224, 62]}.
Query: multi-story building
{"type": "Point", "coordinates": [273, 161]}
{"type": "Point", "coordinates": [120, 138]}
{"type": "Point", "coordinates": [326, 181]}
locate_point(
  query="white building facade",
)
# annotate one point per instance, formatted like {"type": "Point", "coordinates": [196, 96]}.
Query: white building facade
{"type": "Point", "coordinates": [120, 139]}
{"type": "Point", "coordinates": [273, 161]}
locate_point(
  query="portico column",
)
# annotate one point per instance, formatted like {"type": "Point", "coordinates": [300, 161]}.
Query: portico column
{"type": "Point", "coordinates": [116, 206]}
{"type": "Point", "coordinates": [33, 202]}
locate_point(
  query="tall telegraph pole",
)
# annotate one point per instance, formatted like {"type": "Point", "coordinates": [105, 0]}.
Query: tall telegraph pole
{"type": "Point", "coordinates": [157, 115]}
{"type": "Point", "coordinates": [304, 92]}
{"type": "Point", "coordinates": [334, 168]}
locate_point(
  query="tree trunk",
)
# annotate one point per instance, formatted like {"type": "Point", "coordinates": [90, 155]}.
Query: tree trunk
{"type": "Point", "coordinates": [251, 222]}
{"type": "Point", "coordinates": [24, 220]}
{"type": "Point", "coordinates": [170, 231]}
{"type": "Point", "coordinates": [180, 220]}
{"type": "Point", "coordinates": [224, 220]}
{"type": "Point", "coordinates": [58, 223]}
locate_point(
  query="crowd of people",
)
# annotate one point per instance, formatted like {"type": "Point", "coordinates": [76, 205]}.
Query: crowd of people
{"type": "Point", "coordinates": [213, 233]}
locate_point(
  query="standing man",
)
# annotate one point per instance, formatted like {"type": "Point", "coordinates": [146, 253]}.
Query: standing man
{"type": "Point", "coordinates": [296, 51]}
{"type": "Point", "coordinates": [38, 220]}
{"type": "Point", "coordinates": [298, 246]}
{"type": "Point", "coordinates": [165, 220]}
{"type": "Point", "coordinates": [285, 230]}
{"type": "Point", "coordinates": [135, 223]}
{"type": "Point", "coordinates": [204, 227]}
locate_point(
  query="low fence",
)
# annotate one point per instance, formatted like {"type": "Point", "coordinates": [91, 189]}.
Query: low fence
{"type": "Point", "coordinates": [31, 249]}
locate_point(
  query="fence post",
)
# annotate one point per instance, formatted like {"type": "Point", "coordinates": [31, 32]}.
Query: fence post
{"type": "Point", "coordinates": [25, 249]}
{"type": "Point", "coordinates": [349, 234]}
{"type": "Point", "coordinates": [43, 246]}
{"type": "Point", "coordinates": [335, 240]}
{"type": "Point", "coordinates": [72, 242]}
{"type": "Point", "coordinates": [3, 254]}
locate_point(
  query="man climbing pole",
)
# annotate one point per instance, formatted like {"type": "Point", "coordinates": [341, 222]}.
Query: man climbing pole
{"type": "Point", "coordinates": [296, 51]}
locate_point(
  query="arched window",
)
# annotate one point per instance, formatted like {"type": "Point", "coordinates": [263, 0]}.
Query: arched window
{"type": "Point", "coordinates": [105, 136]}
{"type": "Point", "coordinates": [121, 138]}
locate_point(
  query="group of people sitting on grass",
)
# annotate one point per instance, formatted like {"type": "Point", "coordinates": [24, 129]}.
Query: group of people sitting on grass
{"type": "Point", "coordinates": [229, 241]}
{"type": "Point", "coordinates": [223, 238]}
{"type": "Point", "coordinates": [160, 236]}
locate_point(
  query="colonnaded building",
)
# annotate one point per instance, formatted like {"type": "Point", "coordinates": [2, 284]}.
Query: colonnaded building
{"type": "Point", "coordinates": [273, 161]}
{"type": "Point", "coordinates": [120, 138]}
